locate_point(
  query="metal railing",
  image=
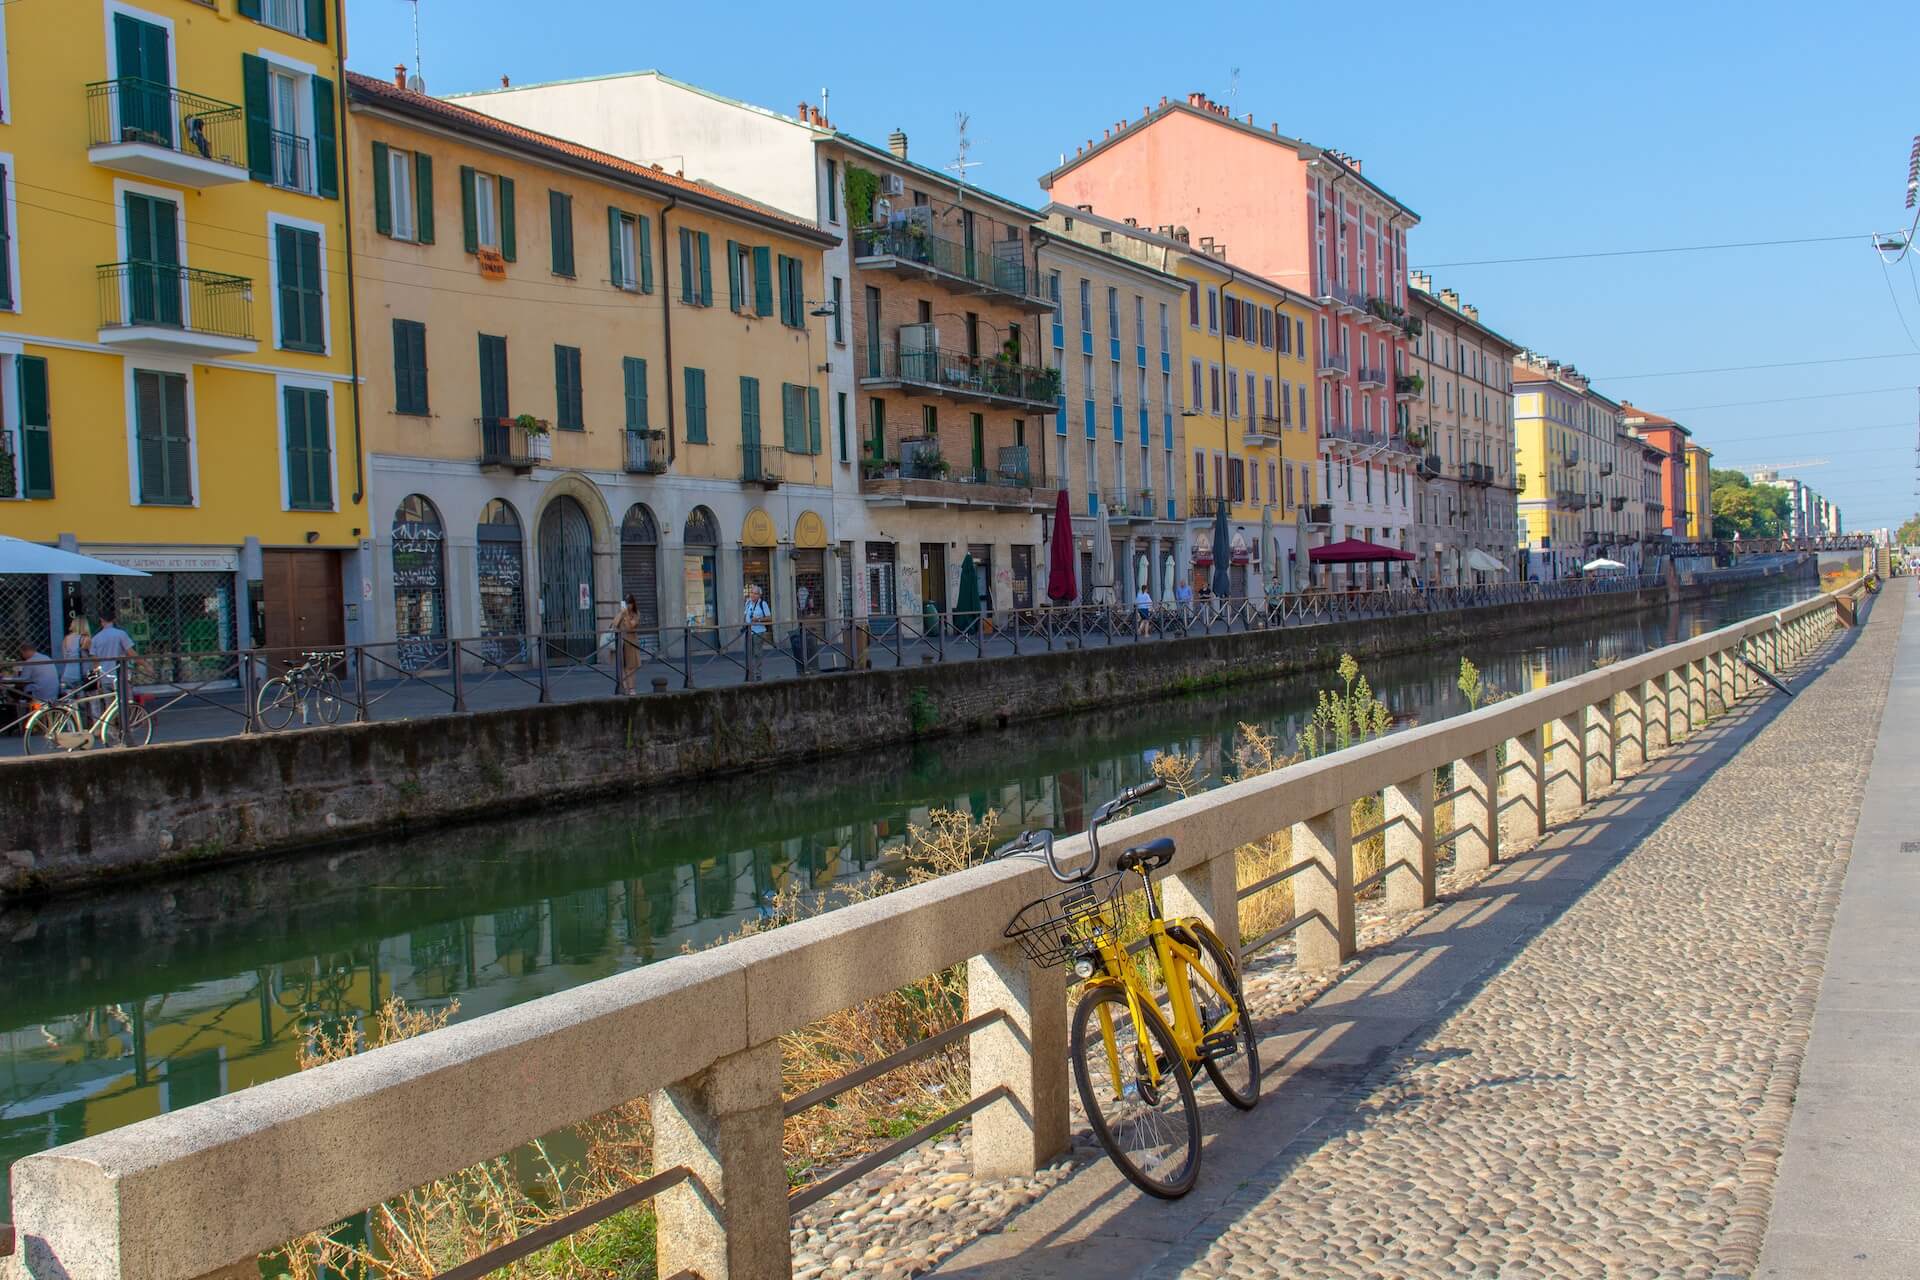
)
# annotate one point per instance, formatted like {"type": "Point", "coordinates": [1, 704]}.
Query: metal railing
{"type": "Point", "coordinates": [979, 265]}
{"type": "Point", "coordinates": [763, 464]}
{"type": "Point", "coordinates": [960, 374]}
{"type": "Point", "coordinates": [1131, 504]}
{"type": "Point", "coordinates": [646, 453]}
{"type": "Point", "coordinates": [1332, 362]}
{"type": "Point", "coordinates": [1463, 786]}
{"type": "Point", "coordinates": [292, 160]}
{"type": "Point", "coordinates": [1341, 295]}
{"type": "Point", "coordinates": [1371, 375]}
{"type": "Point", "coordinates": [504, 443]}
{"type": "Point", "coordinates": [1408, 384]}
{"type": "Point", "coordinates": [165, 296]}
{"type": "Point", "coordinates": [132, 110]}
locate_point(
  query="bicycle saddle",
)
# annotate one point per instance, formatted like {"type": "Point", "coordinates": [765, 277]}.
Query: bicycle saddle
{"type": "Point", "coordinates": [1152, 855]}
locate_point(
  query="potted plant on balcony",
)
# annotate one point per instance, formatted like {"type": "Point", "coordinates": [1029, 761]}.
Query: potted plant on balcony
{"type": "Point", "coordinates": [539, 437]}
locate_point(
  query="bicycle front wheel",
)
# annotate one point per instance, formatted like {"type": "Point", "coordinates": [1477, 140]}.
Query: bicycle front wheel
{"type": "Point", "coordinates": [1149, 1127]}
{"type": "Point", "coordinates": [1232, 1056]}
{"type": "Point", "coordinates": [277, 703]}
{"type": "Point", "coordinates": [326, 700]}
{"type": "Point", "coordinates": [139, 726]}
{"type": "Point", "coordinates": [51, 729]}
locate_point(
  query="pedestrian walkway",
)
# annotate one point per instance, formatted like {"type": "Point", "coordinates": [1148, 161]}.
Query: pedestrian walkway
{"type": "Point", "coordinates": [1848, 1200]}
{"type": "Point", "coordinates": [1583, 1066]}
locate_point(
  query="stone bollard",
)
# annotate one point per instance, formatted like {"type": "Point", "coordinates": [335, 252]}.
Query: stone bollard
{"type": "Point", "coordinates": [730, 1220]}
{"type": "Point", "coordinates": [1676, 700]}
{"type": "Point", "coordinates": [1526, 757]}
{"type": "Point", "coordinates": [1476, 811]}
{"type": "Point", "coordinates": [1636, 711]}
{"type": "Point", "coordinates": [1696, 695]}
{"type": "Point", "coordinates": [1325, 894]}
{"type": "Point", "coordinates": [1566, 763]}
{"type": "Point", "coordinates": [1599, 763]}
{"type": "Point", "coordinates": [1410, 861]}
{"type": "Point", "coordinates": [1025, 1131]}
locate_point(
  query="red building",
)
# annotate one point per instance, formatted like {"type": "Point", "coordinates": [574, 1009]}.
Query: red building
{"type": "Point", "coordinates": [1671, 438]}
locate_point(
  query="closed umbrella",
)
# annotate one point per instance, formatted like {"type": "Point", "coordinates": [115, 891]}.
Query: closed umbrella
{"type": "Point", "coordinates": [966, 610]}
{"type": "Point", "coordinates": [1166, 581]}
{"type": "Point", "coordinates": [1143, 580]}
{"type": "Point", "coordinates": [1061, 587]}
{"type": "Point", "coordinates": [20, 556]}
{"type": "Point", "coordinates": [1270, 566]}
{"type": "Point", "coordinates": [1222, 553]}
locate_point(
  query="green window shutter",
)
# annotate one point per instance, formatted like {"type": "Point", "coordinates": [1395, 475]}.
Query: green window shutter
{"type": "Point", "coordinates": [567, 390]}
{"type": "Point", "coordinates": [792, 429]}
{"type": "Point", "coordinates": [813, 420]}
{"type": "Point", "coordinates": [302, 304]}
{"type": "Point", "coordinates": [36, 422]}
{"type": "Point", "coordinates": [250, 9]}
{"type": "Point", "coordinates": [560, 215]}
{"type": "Point", "coordinates": [317, 20]}
{"type": "Point", "coordinates": [319, 453]}
{"type": "Point", "coordinates": [382, 195]}
{"type": "Point", "coordinates": [696, 397]}
{"type": "Point", "coordinates": [634, 373]}
{"type": "Point", "coordinates": [643, 249]}
{"type": "Point", "coordinates": [253, 79]}
{"type": "Point", "coordinates": [749, 413]}
{"type": "Point", "coordinates": [469, 209]}
{"type": "Point", "coordinates": [786, 289]}
{"type": "Point", "coordinates": [706, 272]}
{"type": "Point", "coordinates": [507, 245]}
{"type": "Point", "coordinates": [286, 256]}
{"type": "Point", "coordinates": [686, 265]}
{"type": "Point", "coordinates": [6, 259]}
{"type": "Point", "coordinates": [409, 367]}
{"type": "Point", "coordinates": [733, 275]}
{"type": "Point", "coordinates": [299, 469]}
{"type": "Point", "coordinates": [762, 280]}
{"type": "Point", "coordinates": [423, 197]}
{"type": "Point", "coordinates": [326, 148]}
{"type": "Point", "coordinates": [614, 272]}
{"type": "Point", "coordinates": [313, 290]}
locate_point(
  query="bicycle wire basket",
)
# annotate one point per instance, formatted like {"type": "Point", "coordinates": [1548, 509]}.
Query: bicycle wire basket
{"type": "Point", "coordinates": [1054, 929]}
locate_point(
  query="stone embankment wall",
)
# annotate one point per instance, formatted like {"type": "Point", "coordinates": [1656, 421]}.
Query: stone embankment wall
{"type": "Point", "coordinates": [74, 820]}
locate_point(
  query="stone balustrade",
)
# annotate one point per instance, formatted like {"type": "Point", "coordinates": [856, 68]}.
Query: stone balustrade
{"type": "Point", "coordinates": [200, 1192]}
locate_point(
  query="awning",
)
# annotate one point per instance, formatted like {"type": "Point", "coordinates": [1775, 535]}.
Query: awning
{"type": "Point", "coordinates": [1602, 565]}
{"type": "Point", "coordinates": [1355, 551]}
{"type": "Point", "coordinates": [1480, 561]}
{"type": "Point", "coordinates": [20, 556]}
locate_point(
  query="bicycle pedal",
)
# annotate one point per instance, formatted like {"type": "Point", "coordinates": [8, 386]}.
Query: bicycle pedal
{"type": "Point", "coordinates": [1221, 1044]}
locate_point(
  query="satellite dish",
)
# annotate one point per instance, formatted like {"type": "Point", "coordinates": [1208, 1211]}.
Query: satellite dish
{"type": "Point", "coordinates": [415, 83]}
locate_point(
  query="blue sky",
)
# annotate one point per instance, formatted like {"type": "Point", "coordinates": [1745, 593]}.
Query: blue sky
{"type": "Point", "coordinates": [1514, 130]}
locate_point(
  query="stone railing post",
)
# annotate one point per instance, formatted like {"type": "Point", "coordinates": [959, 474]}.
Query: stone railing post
{"type": "Point", "coordinates": [1210, 891]}
{"type": "Point", "coordinates": [1696, 695]}
{"type": "Point", "coordinates": [1566, 763]}
{"type": "Point", "coordinates": [1027, 1130]}
{"type": "Point", "coordinates": [1325, 894]}
{"type": "Point", "coordinates": [1525, 755]}
{"type": "Point", "coordinates": [1675, 698]}
{"type": "Point", "coordinates": [1636, 710]}
{"type": "Point", "coordinates": [730, 1220]}
{"type": "Point", "coordinates": [1598, 755]}
{"type": "Point", "coordinates": [1410, 860]}
{"type": "Point", "coordinates": [1476, 811]}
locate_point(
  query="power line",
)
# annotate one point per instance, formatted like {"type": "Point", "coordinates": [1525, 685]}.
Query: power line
{"type": "Point", "coordinates": [1825, 395]}
{"type": "Point", "coordinates": [1636, 253]}
{"type": "Point", "coordinates": [1749, 368]}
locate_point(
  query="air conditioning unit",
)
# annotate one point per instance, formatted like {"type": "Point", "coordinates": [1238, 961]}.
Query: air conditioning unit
{"type": "Point", "coordinates": [892, 184]}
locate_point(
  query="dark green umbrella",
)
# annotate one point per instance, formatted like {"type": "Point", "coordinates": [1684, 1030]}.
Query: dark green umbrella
{"type": "Point", "coordinates": [966, 611]}
{"type": "Point", "coordinates": [1222, 553]}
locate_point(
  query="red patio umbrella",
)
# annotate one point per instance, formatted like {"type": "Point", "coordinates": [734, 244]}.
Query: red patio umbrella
{"type": "Point", "coordinates": [1355, 551]}
{"type": "Point", "coordinates": [1061, 587]}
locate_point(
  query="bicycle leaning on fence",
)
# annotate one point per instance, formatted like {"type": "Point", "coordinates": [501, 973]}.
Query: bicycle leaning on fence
{"type": "Point", "coordinates": [310, 690]}
{"type": "Point", "coordinates": [1134, 1057]}
{"type": "Point", "coordinates": [87, 716]}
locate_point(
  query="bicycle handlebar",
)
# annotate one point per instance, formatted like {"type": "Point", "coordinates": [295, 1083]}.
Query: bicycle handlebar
{"type": "Point", "coordinates": [1042, 840]}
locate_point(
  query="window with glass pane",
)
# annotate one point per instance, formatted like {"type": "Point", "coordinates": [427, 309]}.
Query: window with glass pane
{"type": "Point", "coordinates": [400, 189]}
{"type": "Point", "coordinates": [486, 210]}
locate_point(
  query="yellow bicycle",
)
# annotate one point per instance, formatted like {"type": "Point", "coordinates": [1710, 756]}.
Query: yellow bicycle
{"type": "Point", "coordinates": [1141, 1031]}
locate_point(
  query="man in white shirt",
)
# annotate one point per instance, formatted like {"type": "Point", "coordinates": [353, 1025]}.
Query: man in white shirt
{"type": "Point", "coordinates": [109, 643]}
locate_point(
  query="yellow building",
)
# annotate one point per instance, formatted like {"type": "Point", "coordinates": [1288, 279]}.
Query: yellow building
{"type": "Point", "coordinates": [586, 379]}
{"type": "Point", "coordinates": [174, 328]}
{"type": "Point", "coordinates": [1243, 390]}
{"type": "Point", "coordinates": [1567, 437]}
{"type": "Point", "coordinates": [1699, 472]}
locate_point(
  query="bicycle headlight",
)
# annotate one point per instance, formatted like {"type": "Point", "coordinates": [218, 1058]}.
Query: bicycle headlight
{"type": "Point", "coordinates": [1084, 967]}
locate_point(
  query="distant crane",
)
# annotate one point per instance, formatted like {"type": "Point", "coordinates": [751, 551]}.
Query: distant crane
{"type": "Point", "coordinates": [1789, 466]}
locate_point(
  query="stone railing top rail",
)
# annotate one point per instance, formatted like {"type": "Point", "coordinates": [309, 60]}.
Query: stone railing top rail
{"type": "Point", "coordinates": [187, 1194]}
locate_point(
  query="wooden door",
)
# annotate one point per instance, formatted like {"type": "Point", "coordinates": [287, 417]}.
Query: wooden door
{"type": "Point", "coordinates": [302, 602]}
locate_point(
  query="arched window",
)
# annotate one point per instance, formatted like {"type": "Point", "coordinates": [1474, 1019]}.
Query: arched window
{"type": "Point", "coordinates": [640, 565]}
{"type": "Point", "coordinates": [419, 583]}
{"type": "Point", "coordinates": [500, 557]}
{"type": "Point", "coordinates": [702, 539]}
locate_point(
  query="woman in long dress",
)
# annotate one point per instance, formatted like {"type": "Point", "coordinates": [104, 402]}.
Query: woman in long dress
{"type": "Point", "coordinates": [626, 648]}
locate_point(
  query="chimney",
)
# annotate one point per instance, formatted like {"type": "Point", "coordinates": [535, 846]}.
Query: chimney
{"type": "Point", "coordinates": [1249, 117]}
{"type": "Point", "coordinates": [1423, 281]}
{"type": "Point", "coordinates": [505, 83]}
{"type": "Point", "coordinates": [1180, 234]}
{"type": "Point", "coordinates": [1084, 208]}
{"type": "Point", "coordinates": [897, 143]}
{"type": "Point", "coordinates": [1472, 313]}
{"type": "Point", "coordinates": [1451, 298]}
{"type": "Point", "coordinates": [400, 75]}
{"type": "Point", "coordinates": [805, 113]}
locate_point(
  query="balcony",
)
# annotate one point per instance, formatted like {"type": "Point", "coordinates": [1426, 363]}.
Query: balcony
{"type": "Point", "coordinates": [1408, 386]}
{"type": "Point", "coordinates": [764, 465]}
{"type": "Point", "coordinates": [1606, 468]}
{"type": "Point", "coordinates": [160, 307]}
{"type": "Point", "coordinates": [646, 453]}
{"type": "Point", "coordinates": [1476, 473]}
{"type": "Point", "coordinates": [1334, 364]}
{"type": "Point", "coordinates": [1363, 439]}
{"type": "Point", "coordinates": [921, 477]}
{"type": "Point", "coordinates": [908, 250]}
{"type": "Point", "coordinates": [1349, 300]}
{"type": "Point", "coordinates": [1321, 514]}
{"type": "Point", "coordinates": [1520, 484]}
{"type": "Point", "coordinates": [156, 131]}
{"type": "Point", "coordinates": [511, 443]}
{"type": "Point", "coordinates": [1134, 506]}
{"type": "Point", "coordinates": [1568, 499]}
{"type": "Point", "coordinates": [1595, 499]}
{"type": "Point", "coordinates": [955, 374]}
{"type": "Point", "coordinates": [1620, 504]}
{"type": "Point", "coordinates": [292, 161]}
{"type": "Point", "coordinates": [1263, 432]}
{"type": "Point", "coordinates": [1572, 455]}
{"type": "Point", "coordinates": [1430, 467]}
{"type": "Point", "coordinates": [1370, 376]}
{"type": "Point", "coordinates": [1207, 506]}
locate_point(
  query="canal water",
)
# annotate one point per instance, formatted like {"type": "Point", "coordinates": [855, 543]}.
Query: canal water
{"type": "Point", "coordinates": [120, 1005]}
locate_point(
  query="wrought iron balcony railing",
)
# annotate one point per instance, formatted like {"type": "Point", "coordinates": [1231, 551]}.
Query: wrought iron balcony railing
{"type": "Point", "coordinates": [979, 265]}
{"type": "Point", "coordinates": [646, 453]}
{"type": "Point", "coordinates": [292, 161]}
{"type": "Point", "coordinates": [145, 111]}
{"type": "Point", "coordinates": [960, 374]}
{"type": "Point", "coordinates": [165, 296]}
{"type": "Point", "coordinates": [764, 465]}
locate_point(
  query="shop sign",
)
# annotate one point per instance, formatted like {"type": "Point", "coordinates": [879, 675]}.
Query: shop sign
{"type": "Point", "coordinates": [163, 562]}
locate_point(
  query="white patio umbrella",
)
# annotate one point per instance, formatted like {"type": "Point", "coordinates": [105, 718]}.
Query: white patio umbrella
{"type": "Point", "coordinates": [20, 556]}
{"type": "Point", "coordinates": [1602, 565]}
{"type": "Point", "coordinates": [1484, 563]}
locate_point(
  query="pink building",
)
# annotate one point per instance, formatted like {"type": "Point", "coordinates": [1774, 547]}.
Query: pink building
{"type": "Point", "coordinates": [1301, 216]}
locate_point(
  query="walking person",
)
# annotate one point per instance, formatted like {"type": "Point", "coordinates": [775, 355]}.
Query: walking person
{"type": "Point", "coordinates": [626, 645]}
{"type": "Point", "coordinates": [756, 614]}
{"type": "Point", "coordinates": [1143, 607]}
{"type": "Point", "coordinates": [74, 648]}
{"type": "Point", "coordinates": [110, 643]}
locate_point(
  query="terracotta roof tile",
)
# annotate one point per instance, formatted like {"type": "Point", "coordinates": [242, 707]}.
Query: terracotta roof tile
{"type": "Point", "coordinates": [385, 91]}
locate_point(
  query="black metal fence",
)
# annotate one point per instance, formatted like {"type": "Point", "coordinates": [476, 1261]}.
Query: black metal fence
{"type": "Point", "coordinates": [132, 110]}
{"type": "Point", "coordinates": [168, 296]}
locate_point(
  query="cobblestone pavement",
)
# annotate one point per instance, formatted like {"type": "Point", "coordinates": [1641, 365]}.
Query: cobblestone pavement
{"type": "Point", "coordinates": [1614, 1102]}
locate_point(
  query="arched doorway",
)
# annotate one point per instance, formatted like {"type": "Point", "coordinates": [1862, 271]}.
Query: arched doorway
{"type": "Point", "coordinates": [500, 558]}
{"type": "Point", "coordinates": [419, 584]}
{"type": "Point", "coordinates": [567, 605]}
{"type": "Point", "coordinates": [698, 559]}
{"type": "Point", "coordinates": [640, 569]}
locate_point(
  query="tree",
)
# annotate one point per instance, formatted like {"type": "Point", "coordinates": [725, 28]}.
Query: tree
{"type": "Point", "coordinates": [1744, 509]}
{"type": "Point", "coordinates": [1908, 535]}
{"type": "Point", "coordinates": [1720, 478]}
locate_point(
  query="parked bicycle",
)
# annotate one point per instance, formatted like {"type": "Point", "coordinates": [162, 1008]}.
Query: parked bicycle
{"type": "Point", "coordinates": [86, 717]}
{"type": "Point", "coordinates": [1141, 1029]}
{"type": "Point", "coordinates": [310, 690]}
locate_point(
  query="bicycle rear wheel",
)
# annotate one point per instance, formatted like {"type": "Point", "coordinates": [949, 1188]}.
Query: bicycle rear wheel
{"type": "Point", "coordinates": [1150, 1129]}
{"type": "Point", "coordinates": [326, 700]}
{"type": "Point", "coordinates": [1232, 1060]}
{"type": "Point", "coordinates": [277, 703]}
{"type": "Point", "coordinates": [51, 729]}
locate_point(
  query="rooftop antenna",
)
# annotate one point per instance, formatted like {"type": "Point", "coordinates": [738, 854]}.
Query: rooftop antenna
{"type": "Point", "coordinates": [962, 146]}
{"type": "Point", "coordinates": [419, 82]}
{"type": "Point", "coordinates": [823, 104]}
{"type": "Point", "coordinates": [1233, 88]}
